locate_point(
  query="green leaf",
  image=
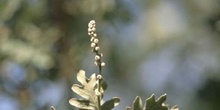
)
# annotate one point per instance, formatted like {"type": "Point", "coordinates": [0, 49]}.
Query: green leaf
{"type": "Point", "coordinates": [151, 104]}
{"type": "Point", "coordinates": [137, 104]}
{"type": "Point", "coordinates": [104, 85]}
{"type": "Point", "coordinates": [89, 91]}
{"type": "Point", "coordinates": [83, 104]}
{"type": "Point", "coordinates": [108, 105]}
{"type": "Point", "coordinates": [161, 99]}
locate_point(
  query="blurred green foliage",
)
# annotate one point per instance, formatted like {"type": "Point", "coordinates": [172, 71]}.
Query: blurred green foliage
{"type": "Point", "coordinates": [151, 46]}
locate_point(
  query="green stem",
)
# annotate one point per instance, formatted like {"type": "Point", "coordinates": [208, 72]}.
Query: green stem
{"type": "Point", "coordinates": [99, 83]}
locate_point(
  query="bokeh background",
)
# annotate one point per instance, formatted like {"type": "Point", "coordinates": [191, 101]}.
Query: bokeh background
{"type": "Point", "coordinates": [149, 46]}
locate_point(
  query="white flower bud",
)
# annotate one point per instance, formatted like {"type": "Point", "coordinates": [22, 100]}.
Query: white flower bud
{"type": "Point", "coordinates": [92, 45]}
{"type": "Point", "coordinates": [97, 57]}
{"type": "Point", "coordinates": [96, 64]}
{"type": "Point", "coordinates": [102, 64]}
{"type": "Point", "coordinates": [99, 76]}
{"type": "Point", "coordinates": [101, 54]}
{"type": "Point", "coordinates": [89, 25]}
{"type": "Point", "coordinates": [89, 29]}
{"type": "Point", "coordinates": [97, 48]}
{"type": "Point", "coordinates": [95, 35]}
{"type": "Point", "coordinates": [92, 38]}
{"type": "Point", "coordinates": [96, 41]}
{"type": "Point", "coordinates": [92, 22]}
{"type": "Point", "coordinates": [93, 29]}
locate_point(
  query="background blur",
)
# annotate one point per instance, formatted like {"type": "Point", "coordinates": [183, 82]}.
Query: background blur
{"type": "Point", "coordinates": [149, 46]}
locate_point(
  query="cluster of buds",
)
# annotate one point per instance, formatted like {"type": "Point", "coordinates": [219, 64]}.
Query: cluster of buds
{"type": "Point", "coordinates": [94, 43]}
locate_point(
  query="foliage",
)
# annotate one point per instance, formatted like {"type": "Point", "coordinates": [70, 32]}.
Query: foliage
{"type": "Point", "coordinates": [89, 91]}
{"type": "Point", "coordinates": [92, 89]}
{"type": "Point", "coordinates": [150, 104]}
{"type": "Point", "coordinates": [42, 45]}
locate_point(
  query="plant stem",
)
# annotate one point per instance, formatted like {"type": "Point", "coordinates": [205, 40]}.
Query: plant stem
{"type": "Point", "coordinates": [99, 83]}
{"type": "Point", "coordinates": [94, 44]}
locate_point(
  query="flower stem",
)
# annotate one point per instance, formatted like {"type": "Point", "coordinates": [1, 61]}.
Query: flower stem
{"type": "Point", "coordinates": [99, 86]}
{"type": "Point", "coordinates": [98, 61]}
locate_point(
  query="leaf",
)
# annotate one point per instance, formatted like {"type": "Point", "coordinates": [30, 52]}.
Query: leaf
{"type": "Point", "coordinates": [91, 83]}
{"type": "Point", "coordinates": [52, 108]}
{"type": "Point", "coordinates": [104, 85]}
{"type": "Point", "coordinates": [87, 83]}
{"type": "Point", "coordinates": [108, 105]}
{"type": "Point", "coordinates": [81, 77]}
{"type": "Point", "coordinates": [85, 93]}
{"type": "Point", "coordinates": [174, 108]}
{"type": "Point", "coordinates": [128, 108]}
{"type": "Point", "coordinates": [83, 104]}
{"type": "Point", "coordinates": [161, 99]}
{"type": "Point", "coordinates": [151, 104]}
{"type": "Point", "coordinates": [89, 91]}
{"type": "Point", "coordinates": [137, 104]}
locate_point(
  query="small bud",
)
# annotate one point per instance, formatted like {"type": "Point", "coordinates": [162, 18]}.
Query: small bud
{"type": "Point", "coordinates": [89, 25]}
{"type": "Point", "coordinates": [99, 76]}
{"type": "Point", "coordinates": [89, 33]}
{"type": "Point", "coordinates": [96, 41]}
{"type": "Point", "coordinates": [92, 45]}
{"type": "Point", "coordinates": [89, 29]}
{"type": "Point", "coordinates": [102, 64]}
{"type": "Point", "coordinates": [92, 22]}
{"type": "Point", "coordinates": [92, 38]}
{"type": "Point", "coordinates": [97, 48]}
{"type": "Point", "coordinates": [101, 54]}
{"type": "Point", "coordinates": [96, 64]}
{"type": "Point", "coordinates": [95, 35]}
{"type": "Point", "coordinates": [93, 29]}
{"type": "Point", "coordinates": [97, 57]}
